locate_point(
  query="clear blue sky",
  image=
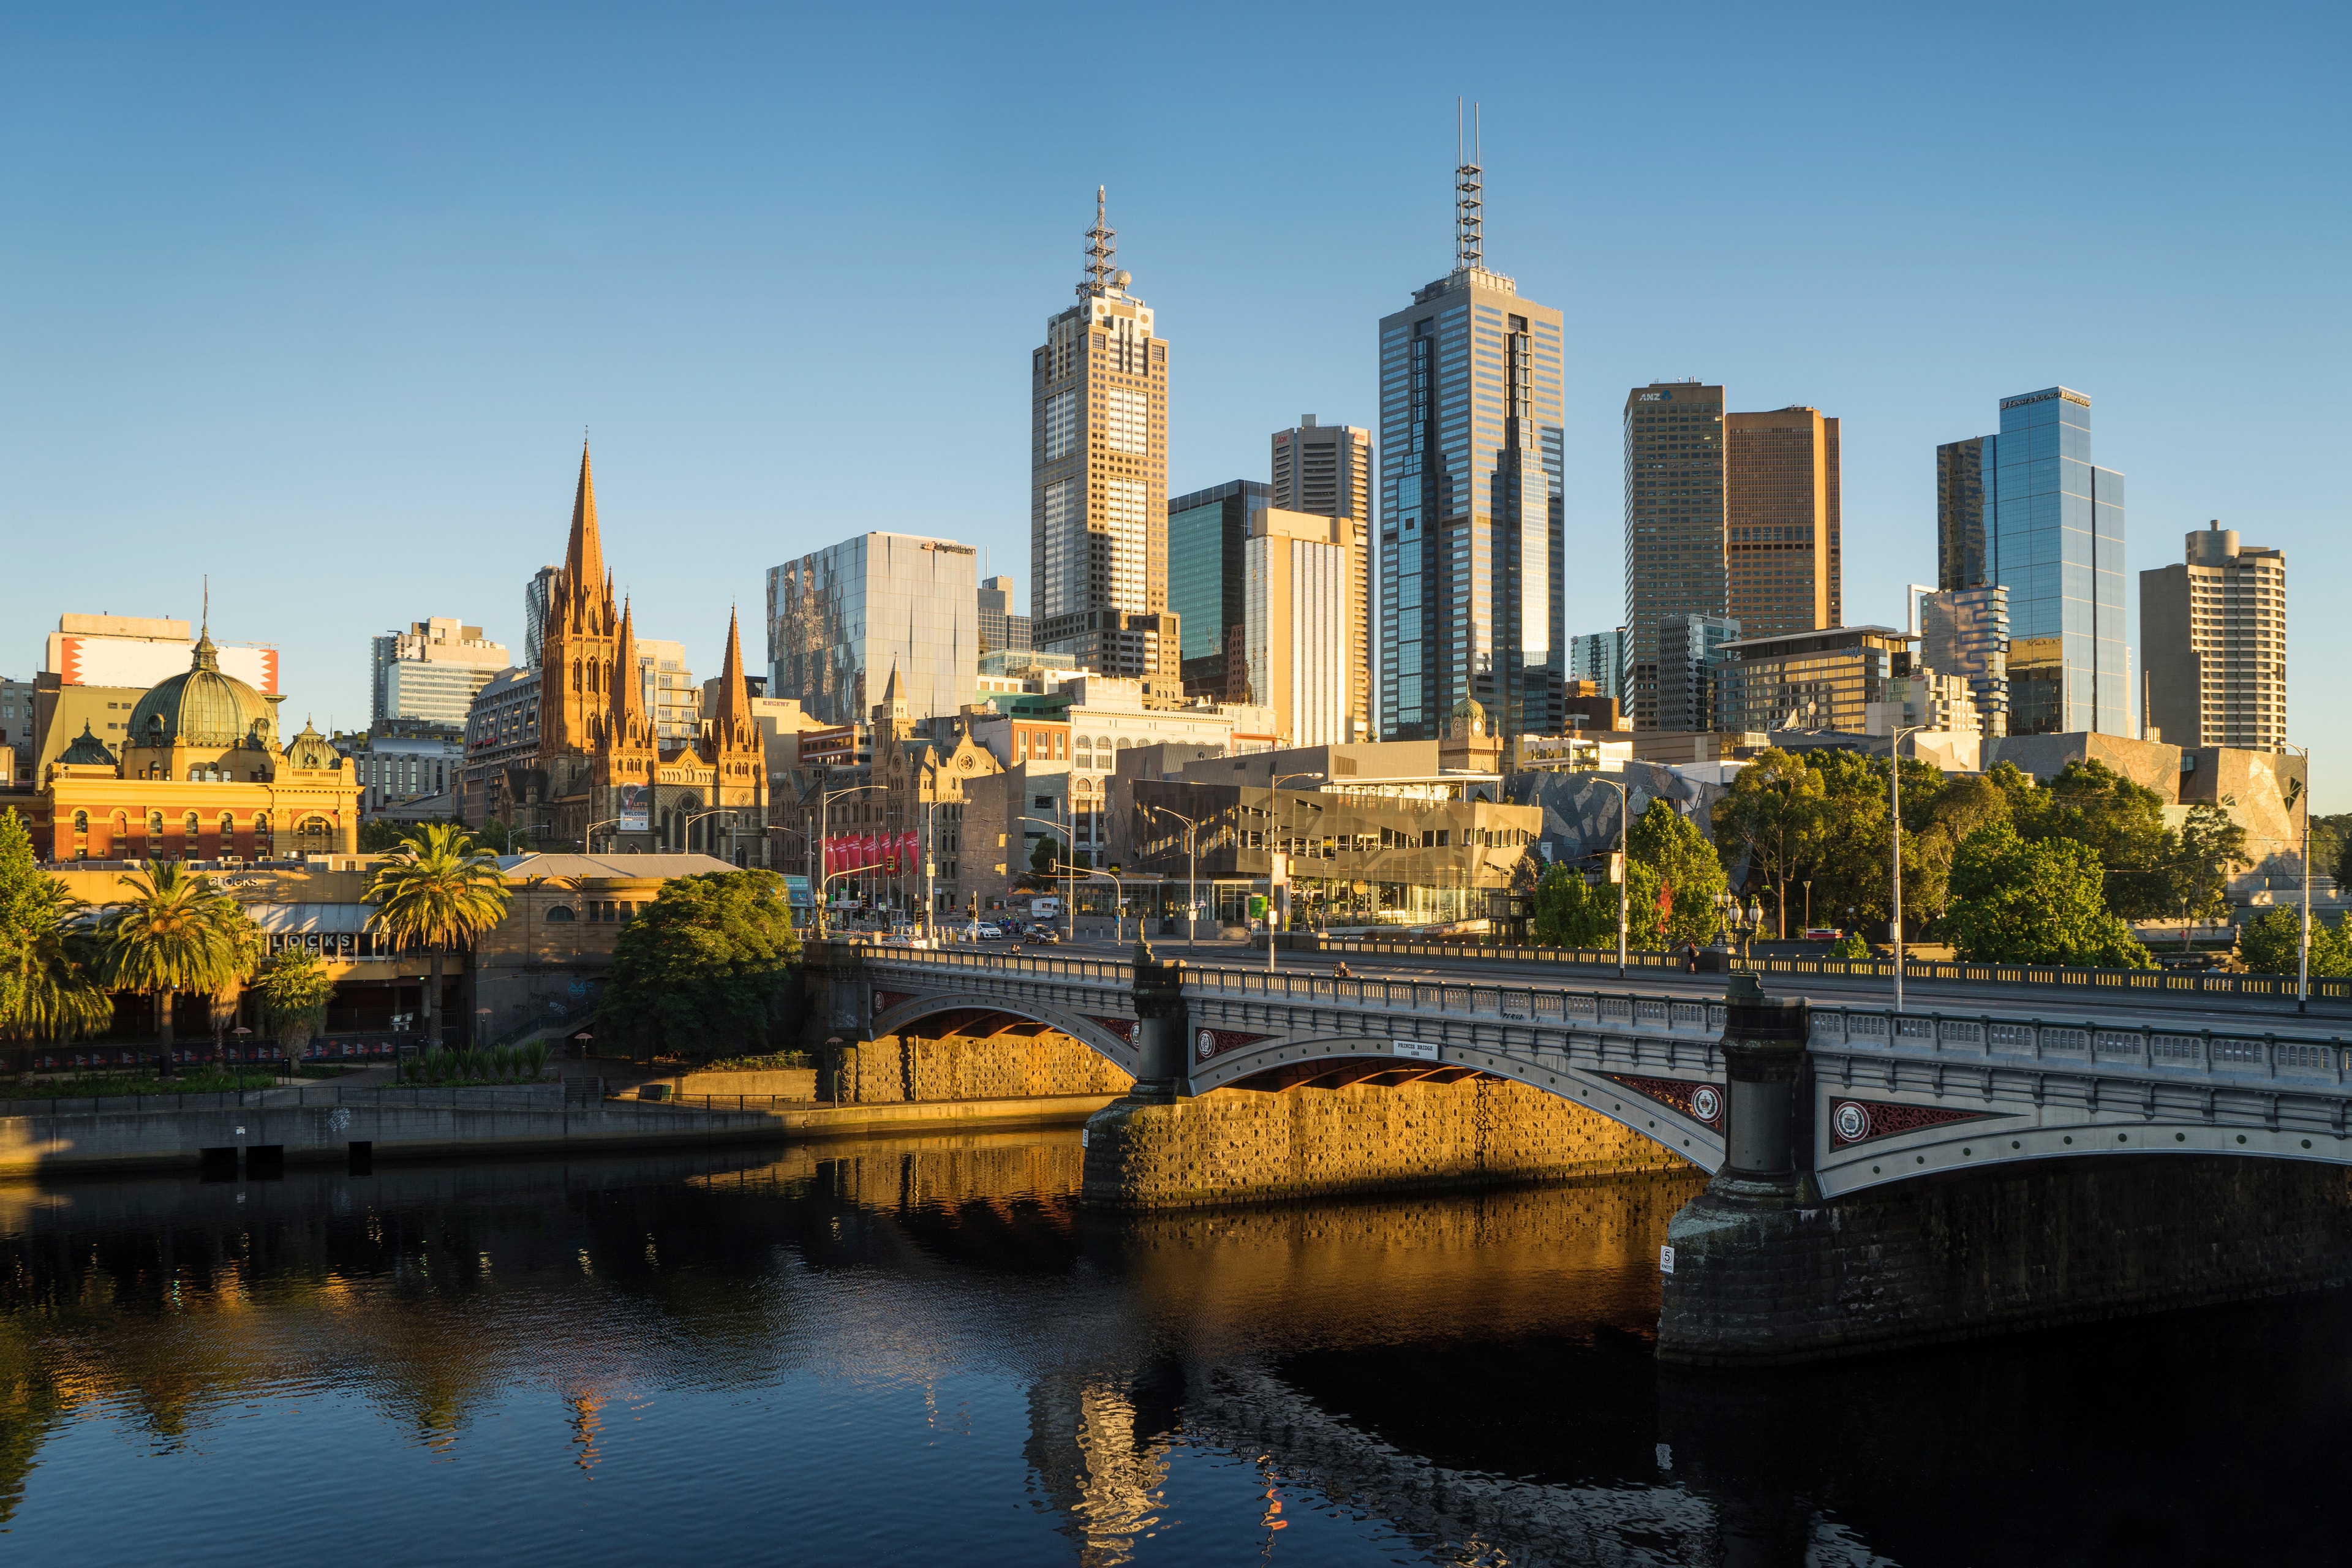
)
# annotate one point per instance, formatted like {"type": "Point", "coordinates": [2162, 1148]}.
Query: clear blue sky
{"type": "Point", "coordinates": [320, 301]}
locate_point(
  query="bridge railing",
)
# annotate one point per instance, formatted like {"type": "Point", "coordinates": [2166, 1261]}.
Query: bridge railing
{"type": "Point", "coordinates": [2095, 1044]}
{"type": "Point", "coordinates": [1533, 1004]}
{"type": "Point", "coordinates": [2200, 984]}
{"type": "Point", "coordinates": [1098, 971]}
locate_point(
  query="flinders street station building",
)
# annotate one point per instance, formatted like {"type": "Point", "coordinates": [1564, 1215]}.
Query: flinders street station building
{"type": "Point", "coordinates": [199, 776]}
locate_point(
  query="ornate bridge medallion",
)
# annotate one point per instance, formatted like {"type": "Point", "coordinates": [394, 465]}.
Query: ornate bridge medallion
{"type": "Point", "coordinates": [885, 1000]}
{"type": "Point", "coordinates": [1123, 1028]}
{"type": "Point", "coordinates": [1701, 1102]}
{"type": "Point", "coordinates": [1856, 1122]}
{"type": "Point", "coordinates": [1207, 1043]}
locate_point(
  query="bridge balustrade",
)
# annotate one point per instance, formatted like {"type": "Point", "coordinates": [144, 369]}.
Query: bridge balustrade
{"type": "Point", "coordinates": [2151, 1046]}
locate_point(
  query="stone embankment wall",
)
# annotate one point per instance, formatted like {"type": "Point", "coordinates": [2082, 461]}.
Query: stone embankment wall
{"type": "Point", "coordinates": [896, 1069]}
{"type": "Point", "coordinates": [1245, 1146]}
{"type": "Point", "coordinates": [2028, 1247]}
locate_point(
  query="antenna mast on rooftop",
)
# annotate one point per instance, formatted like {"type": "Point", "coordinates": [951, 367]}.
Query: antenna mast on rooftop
{"type": "Point", "coordinates": [1102, 251]}
{"type": "Point", "coordinates": [1469, 196]}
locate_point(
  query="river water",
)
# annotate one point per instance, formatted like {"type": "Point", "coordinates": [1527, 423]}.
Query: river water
{"type": "Point", "coordinates": [922, 1351]}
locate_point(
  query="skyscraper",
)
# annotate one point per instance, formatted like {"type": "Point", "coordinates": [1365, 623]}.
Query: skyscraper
{"type": "Point", "coordinates": [1686, 669]}
{"type": "Point", "coordinates": [1327, 469]}
{"type": "Point", "coordinates": [535, 594]}
{"type": "Point", "coordinates": [842, 618]}
{"type": "Point", "coordinates": [429, 673]}
{"type": "Point", "coordinates": [2213, 636]}
{"type": "Point", "coordinates": [1600, 657]}
{"type": "Point", "coordinates": [1675, 561]}
{"type": "Point", "coordinates": [1472, 529]}
{"type": "Point", "coordinates": [1208, 541]}
{"type": "Point", "coordinates": [1098, 478]}
{"type": "Point", "coordinates": [1299, 569]}
{"type": "Point", "coordinates": [1001, 631]}
{"type": "Point", "coordinates": [1964, 632]}
{"type": "Point", "coordinates": [2028, 510]}
{"type": "Point", "coordinates": [1781, 521]}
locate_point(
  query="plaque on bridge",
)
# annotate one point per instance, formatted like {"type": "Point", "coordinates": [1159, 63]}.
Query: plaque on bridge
{"type": "Point", "coordinates": [1420, 1050]}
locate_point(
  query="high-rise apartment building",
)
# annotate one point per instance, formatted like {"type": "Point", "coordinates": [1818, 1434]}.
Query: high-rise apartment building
{"type": "Point", "coordinates": [1675, 561]}
{"type": "Point", "coordinates": [1600, 657]}
{"type": "Point", "coordinates": [429, 673]}
{"type": "Point", "coordinates": [672, 698]}
{"type": "Point", "coordinates": [1327, 469]}
{"type": "Point", "coordinates": [1782, 543]}
{"type": "Point", "coordinates": [1001, 631]}
{"type": "Point", "coordinates": [1823, 679]}
{"type": "Point", "coordinates": [2213, 635]}
{"type": "Point", "coordinates": [841, 619]}
{"type": "Point", "coordinates": [1964, 633]}
{"type": "Point", "coordinates": [1208, 539]}
{"type": "Point", "coordinates": [2028, 510]}
{"type": "Point", "coordinates": [1299, 573]}
{"type": "Point", "coordinates": [536, 595]}
{"type": "Point", "coordinates": [1473, 534]}
{"type": "Point", "coordinates": [1688, 658]}
{"type": "Point", "coordinates": [1098, 478]}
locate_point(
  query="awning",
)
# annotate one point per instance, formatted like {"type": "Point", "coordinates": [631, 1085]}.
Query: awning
{"type": "Point", "coordinates": [287, 918]}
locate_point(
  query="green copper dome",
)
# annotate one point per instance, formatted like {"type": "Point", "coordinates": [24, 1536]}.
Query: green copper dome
{"type": "Point", "coordinates": [311, 750]}
{"type": "Point", "coordinates": [201, 708]}
{"type": "Point", "coordinates": [87, 751]}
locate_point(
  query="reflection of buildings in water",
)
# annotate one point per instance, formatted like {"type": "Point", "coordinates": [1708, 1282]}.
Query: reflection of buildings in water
{"type": "Point", "coordinates": [1098, 1450]}
{"type": "Point", "coordinates": [587, 1427]}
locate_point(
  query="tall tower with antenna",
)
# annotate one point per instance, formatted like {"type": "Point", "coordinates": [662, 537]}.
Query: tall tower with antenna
{"type": "Point", "coordinates": [1098, 477]}
{"type": "Point", "coordinates": [1473, 529]}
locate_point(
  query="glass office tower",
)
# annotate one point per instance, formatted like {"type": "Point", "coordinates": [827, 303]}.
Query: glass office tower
{"type": "Point", "coordinates": [1208, 532]}
{"type": "Point", "coordinates": [2029, 511]}
{"type": "Point", "coordinates": [841, 619]}
{"type": "Point", "coordinates": [1473, 534]}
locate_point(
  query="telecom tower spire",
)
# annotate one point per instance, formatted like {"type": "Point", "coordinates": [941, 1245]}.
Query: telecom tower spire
{"type": "Point", "coordinates": [1102, 252]}
{"type": "Point", "coordinates": [1469, 197]}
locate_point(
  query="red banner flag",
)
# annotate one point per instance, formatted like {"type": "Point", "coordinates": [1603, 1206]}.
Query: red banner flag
{"type": "Point", "coordinates": [1666, 898]}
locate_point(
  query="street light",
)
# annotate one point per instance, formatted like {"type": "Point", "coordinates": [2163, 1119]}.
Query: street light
{"type": "Point", "coordinates": [1273, 782]}
{"type": "Point", "coordinates": [2302, 940]}
{"type": "Point", "coordinates": [588, 838]}
{"type": "Point", "coordinates": [824, 799]}
{"type": "Point", "coordinates": [1193, 878]}
{"type": "Point", "coordinates": [1895, 773]}
{"type": "Point", "coordinates": [1625, 810]}
{"type": "Point", "coordinates": [728, 811]}
{"type": "Point", "coordinates": [1070, 863]}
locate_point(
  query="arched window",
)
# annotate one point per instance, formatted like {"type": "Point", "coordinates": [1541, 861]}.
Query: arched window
{"type": "Point", "coordinates": [227, 829]}
{"type": "Point", "coordinates": [154, 833]}
{"type": "Point", "coordinates": [195, 775]}
{"type": "Point", "coordinates": [193, 828]}
{"type": "Point", "coordinates": [560, 912]}
{"type": "Point", "coordinates": [81, 822]}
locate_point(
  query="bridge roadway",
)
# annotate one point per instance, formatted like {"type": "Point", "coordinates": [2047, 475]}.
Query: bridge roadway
{"type": "Point", "coordinates": [1963, 1077]}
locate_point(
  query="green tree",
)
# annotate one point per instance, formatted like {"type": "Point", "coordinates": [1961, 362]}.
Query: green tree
{"type": "Point", "coordinates": [177, 933]}
{"type": "Point", "coordinates": [50, 964]}
{"type": "Point", "coordinates": [2016, 900]}
{"type": "Point", "coordinates": [1042, 860]}
{"type": "Point", "coordinates": [2123, 824]}
{"type": "Point", "coordinates": [437, 891]}
{"type": "Point", "coordinates": [701, 970]}
{"type": "Point", "coordinates": [504, 837]}
{"type": "Point", "coordinates": [2331, 838]}
{"type": "Point", "coordinates": [294, 989]}
{"type": "Point", "coordinates": [1686, 874]}
{"type": "Point", "coordinates": [2209, 847]}
{"type": "Point", "coordinates": [1571, 913]}
{"type": "Point", "coordinates": [2268, 944]}
{"type": "Point", "coordinates": [1775, 812]}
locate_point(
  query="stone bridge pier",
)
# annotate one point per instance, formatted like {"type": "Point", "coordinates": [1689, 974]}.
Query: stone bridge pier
{"type": "Point", "coordinates": [1763, 1267]}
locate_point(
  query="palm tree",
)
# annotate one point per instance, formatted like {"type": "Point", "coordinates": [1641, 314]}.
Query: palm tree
{"type": "Point", "coordinates": [178, 933]}
{"type": "Point", "coordinates": [51, 975]}
{"type": "Point", "coordinates": [438, 889]}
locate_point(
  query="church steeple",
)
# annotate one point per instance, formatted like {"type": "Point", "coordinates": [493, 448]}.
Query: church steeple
{"type": "Point", "coordinates": [629, 726]}
{"type": "Point", "coordinates": [583, 557]}
{"type": "Point", "coordinates": [734, 697]}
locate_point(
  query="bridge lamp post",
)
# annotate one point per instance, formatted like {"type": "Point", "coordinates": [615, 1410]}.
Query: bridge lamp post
{"type": "Point", "coordinates": [1193, 878]}
{"type": "Point", "coordinates": [1895, 774]}
{"type": "Point", "coordinates": [1273, 782]}
{"type": "Point", "coordinates": [2302, 939]}
{"type": "Point", "coordinates": [1625, 809]}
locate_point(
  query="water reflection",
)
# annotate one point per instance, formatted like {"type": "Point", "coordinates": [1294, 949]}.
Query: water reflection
{"type": "Point", "coordinates": [921, 1351]}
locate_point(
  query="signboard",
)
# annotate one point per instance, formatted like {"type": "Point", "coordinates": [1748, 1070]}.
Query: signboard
{"type": "Point", "coordinates": [1419, 1050]}
{"type": "Point", "coordinates": [1616, 868]}
{"type": "Point", "coordinates": [1665, 1260]}
{"type": "Point", "coordinates": [637, 808]}
{"type": "Point", "coordinates": [796, 892]}
{"type": "Point", "coordinates": [144, 661]}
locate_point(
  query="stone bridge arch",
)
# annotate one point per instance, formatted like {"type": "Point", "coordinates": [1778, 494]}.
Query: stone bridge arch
{"type": "Point", "coordinates": [1107, 1035]}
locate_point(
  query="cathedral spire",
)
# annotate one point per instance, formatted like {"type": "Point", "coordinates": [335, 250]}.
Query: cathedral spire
{"type": "Point", "coordinates": [583, 558]}
{"type": "Point", "coordinates": [629, 726]}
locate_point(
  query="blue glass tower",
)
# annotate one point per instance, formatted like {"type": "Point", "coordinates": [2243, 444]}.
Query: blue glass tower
{"type": "Point", "coordinates": [2029, 511]}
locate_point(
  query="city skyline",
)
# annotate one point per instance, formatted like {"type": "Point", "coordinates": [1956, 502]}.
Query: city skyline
{"type": "Point", "coordinates": [693, 428]}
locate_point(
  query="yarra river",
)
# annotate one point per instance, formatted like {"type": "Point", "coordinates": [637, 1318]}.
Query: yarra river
{"type": "Point", "coordinates": [921, 1352]}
